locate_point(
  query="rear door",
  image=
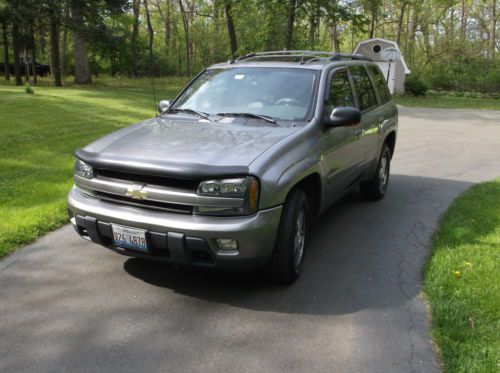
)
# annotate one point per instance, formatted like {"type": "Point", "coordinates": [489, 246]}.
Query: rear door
{"type": "Point", "coordinates": [386, 115]}
{"type": "Point", "coordinates": [372, 115]}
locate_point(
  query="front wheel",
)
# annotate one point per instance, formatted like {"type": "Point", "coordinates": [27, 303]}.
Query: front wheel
{"type": "Point", "coordinates": [287, 260]}
{"type": "Point", "coordinates": [375, 188]}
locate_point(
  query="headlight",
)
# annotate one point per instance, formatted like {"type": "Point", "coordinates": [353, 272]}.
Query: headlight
{"type": "Point", "coordinates": [246, 188]}
{"type": "Point", "coordinates": [83, 169]}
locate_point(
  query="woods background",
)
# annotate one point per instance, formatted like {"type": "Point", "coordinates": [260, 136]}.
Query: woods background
{"type": "Point", "coordinates": [448, 44]}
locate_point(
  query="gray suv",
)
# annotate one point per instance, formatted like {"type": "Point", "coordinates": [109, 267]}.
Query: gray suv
{"type": "Point", "coordinates": [232, 173]}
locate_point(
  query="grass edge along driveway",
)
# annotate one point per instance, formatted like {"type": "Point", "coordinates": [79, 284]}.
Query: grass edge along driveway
{"type": "Point", "coordinates": [41, 131]}
{"type": "Point", "coordinates": [462, 281]}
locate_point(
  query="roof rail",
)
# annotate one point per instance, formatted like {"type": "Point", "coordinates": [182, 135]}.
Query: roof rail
{"type": "Point", "coordinates": [305, 56]}
{"type": "Point", "coordinates": [348, 56]}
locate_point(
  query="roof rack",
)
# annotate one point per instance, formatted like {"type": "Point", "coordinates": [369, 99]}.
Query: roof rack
{"type": "Point", "coordinates": [348, 56]}
{"type": "Point", "coordinates": [305, 56]}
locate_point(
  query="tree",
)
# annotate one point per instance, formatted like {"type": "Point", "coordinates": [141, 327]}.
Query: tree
{"type": "Point", "coordinates": [372, 7]}
{"type": "Point", "coordinates": [151, 38]}
{"type": "Point", "coordinates": [292, 4]}
{"type": "Point", "coordinates": [16, 46]}
{"type": "Point", "coordinates": [168, 23]}
{"type": "Point", "coordinates": [401, 20]}
{"type": "Point", "coordinates": [82, 69]}
{"type": "Point", "coordinates": [54, 17]}
{"type": "Point", "coordinates": [136, 7]}
{"type": "Point", "coordinates": [187, 40]}
{"type": "Point", "coordinates": [230, 27]}
{"type": "Point", "coordinates": [493, 28]}
{"type": "Point", "coordinates": [6, 67]}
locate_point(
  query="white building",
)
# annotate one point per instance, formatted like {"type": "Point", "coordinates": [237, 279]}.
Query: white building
{"type": "Point", "coordinates": [387, 55]}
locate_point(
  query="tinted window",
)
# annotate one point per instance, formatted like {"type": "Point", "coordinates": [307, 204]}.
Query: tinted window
{"type": "Point", "coordinates": [340, 92]}
{"type": "Point", "coordinates": [364, 89]}
{"type": "Point", "coordinates": [380, 83]}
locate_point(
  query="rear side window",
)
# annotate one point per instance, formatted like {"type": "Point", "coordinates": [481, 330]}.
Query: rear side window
{"type": "Point", "coordinates": [364, 88]}
{"type": "Point", "coordinates": [340, 92]}
{"type": "Point", "coordinates": [380, 83]}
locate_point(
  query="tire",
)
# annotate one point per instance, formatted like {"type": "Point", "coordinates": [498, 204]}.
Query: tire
{"type": "Point", "coordinates": [287, 260]}
{"type": "Point", "coordinates": [375, 188]}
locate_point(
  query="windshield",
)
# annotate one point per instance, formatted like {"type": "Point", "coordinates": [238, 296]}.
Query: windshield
{"type": "Point", "coordinates": [278, 93]}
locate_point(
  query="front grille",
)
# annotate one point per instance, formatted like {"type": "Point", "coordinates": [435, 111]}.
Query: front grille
{"type": "Point", "coordinates": [162, 206]}
{"type": "Point", "coordinates": [188, 185]}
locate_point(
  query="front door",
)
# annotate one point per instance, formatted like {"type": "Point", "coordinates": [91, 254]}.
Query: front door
{"type": "Point", "coordinates": [343, 151]}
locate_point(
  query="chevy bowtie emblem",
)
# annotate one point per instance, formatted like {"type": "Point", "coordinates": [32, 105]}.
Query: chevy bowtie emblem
{"type": "Point", "coordinates": [136, 192]}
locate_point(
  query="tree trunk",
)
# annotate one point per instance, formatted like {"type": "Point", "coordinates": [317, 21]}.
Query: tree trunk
{"type": "Point", "coordinates": [290, 24]}
{"type": "Point", "coordinates": [313, 23]}
{"type": "Point", "coordinates": [6, 68]}
{"type": "Point", "coordinates": [167, 24]}
{"type": "Point", "coordinates": [136, 7]}
{"type": "Point", "coordinates": [463, 22]}
{"type": "Point", "coordinates": [33, 53]}
{"type": "Point", "coordinates": [16, 47]}
{"type": "Point", "coordinates": [42, 38]}
{"type": "Point", "coordinates": [335, 39]}
{"type": "Point", "coordinates": [382, 27]}
{"type": "Point", "coordinates": [54, 51]}
{"type": "Point", "coordinates": [413, 31]}
{"type": "Point", "coordinates": [82, 69]}
{"type": "Point", "coordinates": [185, 24]}
{"type": "Point", "coordinates": [493, 28]}
{"type": "Point", "coordinates": [151, 38]}
{"type": "Point", "coordinates": [26, 62]}
{"type": "Point", "coordinates": [372, 23]}
{"type": "Point", "coordinates": [312, 30]}
{"type": "Point", "coordinates": [64, 46]}
{"type": "Point", "coordinates": [64, 51]}
{"type": "Point", "coordinates": [230, 28]}
{"type": "Point", "coordinates": [400, 22]}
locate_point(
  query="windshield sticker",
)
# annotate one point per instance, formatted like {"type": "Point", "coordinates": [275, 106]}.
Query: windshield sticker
{"type": "Point", "coordinates": [239, 77]}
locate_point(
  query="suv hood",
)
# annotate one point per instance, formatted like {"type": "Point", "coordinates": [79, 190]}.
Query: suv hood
{"type": "Point", "coordinates": [187, 148]}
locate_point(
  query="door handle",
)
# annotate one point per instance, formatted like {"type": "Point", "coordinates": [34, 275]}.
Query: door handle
{"type": "Point", "coordinates": [359, 133]}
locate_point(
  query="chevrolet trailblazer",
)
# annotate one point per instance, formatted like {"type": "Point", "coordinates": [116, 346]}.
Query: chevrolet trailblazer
{"type": "Point", "coordinates": [232, 173]}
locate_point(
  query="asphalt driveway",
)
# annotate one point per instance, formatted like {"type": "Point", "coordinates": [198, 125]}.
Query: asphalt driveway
{"type": "Point", "coordinates": [69, 305]}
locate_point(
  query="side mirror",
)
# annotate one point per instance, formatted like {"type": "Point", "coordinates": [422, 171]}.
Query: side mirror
{"type": "Point", "coordinates": [344, 116]}
{"type": "Point", "coordinates": [163, 105]}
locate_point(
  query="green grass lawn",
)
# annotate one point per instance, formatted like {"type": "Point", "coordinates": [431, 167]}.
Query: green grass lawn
{"type": "Point", "coordinates": [40, 132]}
{"type": "Point", "coordinates": [462, 282]}
{"type": "Point", "coordinates": [448, 102]}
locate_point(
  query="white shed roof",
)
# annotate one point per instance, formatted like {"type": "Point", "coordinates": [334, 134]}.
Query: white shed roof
{"type": "Point", "coordinates": [407, 70]}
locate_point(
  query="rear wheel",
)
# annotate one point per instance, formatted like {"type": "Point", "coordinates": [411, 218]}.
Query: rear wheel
{"type": "Point", "coordinates": [287, 260]}
{"type": "Point", "coordinates": [375, 188]}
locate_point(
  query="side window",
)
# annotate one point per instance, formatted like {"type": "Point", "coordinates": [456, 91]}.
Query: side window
{"type": "Point", "coordinates": [383, 90]}
{"type": "Point", "coordinates": [340, 92]}
{"type": "Point", "coordinates": [363, 86]}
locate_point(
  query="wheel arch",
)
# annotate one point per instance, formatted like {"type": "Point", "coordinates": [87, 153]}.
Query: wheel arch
{"type": "Point", "coordinates": [313, 188]}
{"type": "Point", "coordinates": [390, 140]}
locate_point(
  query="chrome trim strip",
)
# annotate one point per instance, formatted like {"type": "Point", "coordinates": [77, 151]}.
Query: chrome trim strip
{"type": "Point", "coordinates": [156, 193]}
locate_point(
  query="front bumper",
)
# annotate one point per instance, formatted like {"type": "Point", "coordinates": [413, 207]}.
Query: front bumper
{"type": "Point", "coordinates": [179, 238]}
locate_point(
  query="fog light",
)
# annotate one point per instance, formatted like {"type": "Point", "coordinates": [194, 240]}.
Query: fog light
{"type": "Point", "coordinates": [227, 244]}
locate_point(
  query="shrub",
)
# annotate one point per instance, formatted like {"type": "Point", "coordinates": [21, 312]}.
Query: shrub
{"type": "Point", "coordinates": [415, 86]}
{"type": "Point", "coordinates": [28, 89]}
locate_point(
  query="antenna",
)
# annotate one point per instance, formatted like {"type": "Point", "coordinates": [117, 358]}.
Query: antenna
{"type": "Point", "coordinates": [154, 92]}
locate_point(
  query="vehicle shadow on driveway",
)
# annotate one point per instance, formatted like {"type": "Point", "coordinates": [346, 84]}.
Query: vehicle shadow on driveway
{"type": "Point", "coordinates": [361, 255]}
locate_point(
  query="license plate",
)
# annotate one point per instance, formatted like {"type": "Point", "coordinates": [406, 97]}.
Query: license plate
{"type": "Point", "coordinates": [129, 238]}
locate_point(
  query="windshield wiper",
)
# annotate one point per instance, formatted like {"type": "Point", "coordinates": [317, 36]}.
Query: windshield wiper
{"type": "Point", "coordinates": [249, 115]}
{"type": "Point", "coordinates": [188, 111]}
